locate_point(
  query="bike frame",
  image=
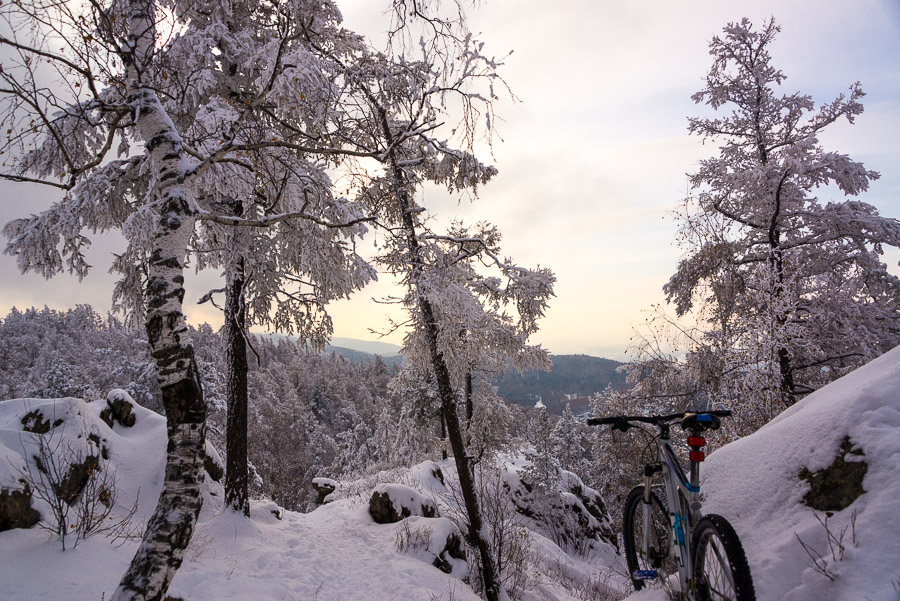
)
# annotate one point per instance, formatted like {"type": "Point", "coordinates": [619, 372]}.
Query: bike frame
{"type": "Point", "coordinates": [683, 499]}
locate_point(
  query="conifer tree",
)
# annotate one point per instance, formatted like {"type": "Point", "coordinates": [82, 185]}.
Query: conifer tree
{"type": "Point", "coordinates": [566, 443]}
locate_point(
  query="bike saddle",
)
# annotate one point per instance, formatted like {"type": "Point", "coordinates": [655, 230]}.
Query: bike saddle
{"type": "Point", "coordinates": [698, 422]}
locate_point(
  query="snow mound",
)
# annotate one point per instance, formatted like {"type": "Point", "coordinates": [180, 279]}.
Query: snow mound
{"type": "Point", "coordinates": [436, 541]}
{"type": "Point", "coordinates": [754, 482]}
{"type": "Point", "coordinates": [129, 463]}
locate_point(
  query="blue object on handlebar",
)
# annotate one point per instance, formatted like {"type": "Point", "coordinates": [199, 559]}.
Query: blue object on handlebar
{"type": "Point", "coordinates": [645, 575]}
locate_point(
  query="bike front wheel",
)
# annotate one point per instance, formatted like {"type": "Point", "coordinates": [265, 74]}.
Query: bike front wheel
{"type": "Point", "coordinates": [656, 557]}
{"type": "Point", "coordinates": [721, 572]}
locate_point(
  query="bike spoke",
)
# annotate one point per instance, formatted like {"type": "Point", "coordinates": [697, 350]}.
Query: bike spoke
{"type": "Point", "coordinates": [719, 584]}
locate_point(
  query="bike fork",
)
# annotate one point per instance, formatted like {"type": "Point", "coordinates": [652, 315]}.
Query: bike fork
{"type": "Point", "coordinates": [646, 514]}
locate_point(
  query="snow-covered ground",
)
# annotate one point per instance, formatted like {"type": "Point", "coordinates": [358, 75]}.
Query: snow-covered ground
{"type": "Point", "coordinates": [338, 552]}
{"type": "Point", "coordinates": [754, 482]}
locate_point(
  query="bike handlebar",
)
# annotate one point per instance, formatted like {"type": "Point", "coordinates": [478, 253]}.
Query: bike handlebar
{"type": "Point", "coordinates": [622, 422]}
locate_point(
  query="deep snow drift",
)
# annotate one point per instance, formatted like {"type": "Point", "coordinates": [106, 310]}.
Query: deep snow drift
{"type": "Point", "coordinates": [339, 552]}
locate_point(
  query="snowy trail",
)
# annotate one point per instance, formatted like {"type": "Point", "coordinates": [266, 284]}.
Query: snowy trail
{"type": "Point", "coordinates": [335, 553]}
{"type": "Point", "coordinates": [331, 554]}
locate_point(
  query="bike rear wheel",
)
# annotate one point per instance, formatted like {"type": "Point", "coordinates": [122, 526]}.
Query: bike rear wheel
{"type": "Point", "coordinates": [721, 572]}
{"type": "Point", "coordinates": [656, 557]}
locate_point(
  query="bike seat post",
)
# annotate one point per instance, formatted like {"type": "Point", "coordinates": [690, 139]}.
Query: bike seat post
{"type": "Point", "coordinates": [696, 443]}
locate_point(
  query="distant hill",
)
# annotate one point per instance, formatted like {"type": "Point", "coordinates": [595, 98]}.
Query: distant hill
{"type": "Point", "coordinates": [385, 349]}
{"type": "Point", "coordinates": [354, 350]}
{"type": "Point", "coordinates": [571, 379]}
{"type": "Point", "coordinates": [356, 356]}
{"type": "Point", "coordinates": [364, 351]}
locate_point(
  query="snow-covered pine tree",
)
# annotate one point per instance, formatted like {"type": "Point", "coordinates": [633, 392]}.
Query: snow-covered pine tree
{"type": "Point", "coordinates": [543, 473]}
{"type": "Point", "coordinates": [566, 441]}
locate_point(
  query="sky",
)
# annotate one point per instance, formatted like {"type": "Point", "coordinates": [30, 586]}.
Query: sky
{"type": "Point", "coordinates": [594, 154]}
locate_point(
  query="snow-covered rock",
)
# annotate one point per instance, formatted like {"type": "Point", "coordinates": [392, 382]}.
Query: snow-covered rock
{"type": "Point", "coordinates": [437, 541]}
{"type": "Point", "coordinates": [572, 514]}
{"type": "Point", "coordinates": [390, 503]}
{"type": "Point", "coordinates": [119, 408]}
{"type": "Point", "coordinates": [325, 487]}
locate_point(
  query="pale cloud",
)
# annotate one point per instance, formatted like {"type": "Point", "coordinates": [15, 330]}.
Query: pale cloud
{"type": "Point", "coordinates": [593, 160]}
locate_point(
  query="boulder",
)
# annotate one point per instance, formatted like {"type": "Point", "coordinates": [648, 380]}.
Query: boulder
{"type": "Point", "coordinates": [835, 487]}
{"type": "Point", "coordinates": [570, 513]}
{"type": "Point", "coordinates": [436, 541]}
{"type": "Point", "coordinates": [34, 422]}
{"type": "Point", "coordinates": [16, 510]}
{"type": "Point", "coordinates": [69, 488]}
{"type": "Point", "coordinates": [119, 408]}
{"type": "Point", "coordinates": [390, 503]}
{"type": "Point", "coordinates": [452, 549]}
{"type": "Point", "coordinates": [324, 487]}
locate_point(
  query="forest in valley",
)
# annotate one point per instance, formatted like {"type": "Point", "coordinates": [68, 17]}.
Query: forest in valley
{"type": "Point", "coordinates": [310, 414]}
{"type": "Point", "coordinates": [265, 141]}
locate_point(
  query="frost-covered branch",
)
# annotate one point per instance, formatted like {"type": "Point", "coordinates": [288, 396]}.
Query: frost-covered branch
{"type": "Point", "coordinates": [789, 291]}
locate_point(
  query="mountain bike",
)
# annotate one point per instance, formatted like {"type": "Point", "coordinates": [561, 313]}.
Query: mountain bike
{"type": "Point", "coordinates": [669, 535]}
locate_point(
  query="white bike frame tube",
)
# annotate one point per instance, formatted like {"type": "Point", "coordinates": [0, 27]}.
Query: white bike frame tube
{"type": "Point", "coordinates": [684, 512]}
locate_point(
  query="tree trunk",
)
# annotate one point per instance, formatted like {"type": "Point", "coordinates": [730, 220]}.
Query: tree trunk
{"type": "Point", "coordinates": [788, 391]}
{"type": "Point", "coordinates": [470, 409]}
{"type": "Point", "coordinates": [171, 526]}
{"type": "Point", "coordinates": [776, 262]}
{"type": "Point", "coordinates": [476, 535]}
{"type": "Point", "coordinates": [443, 433]}
{"type": "Point", "coordinates": [463, 467]}
{"type": "Point", "coordinates": [236, 473]}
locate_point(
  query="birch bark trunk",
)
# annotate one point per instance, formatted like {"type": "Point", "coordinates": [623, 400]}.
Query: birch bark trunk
{"type": "Point", "coordinates": [171, 526]}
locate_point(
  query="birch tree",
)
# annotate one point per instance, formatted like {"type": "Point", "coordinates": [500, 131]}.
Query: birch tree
{"type": "Point", "coordinates": [62, 140]}
{"type": "Point", "coordinates": [112, 92]}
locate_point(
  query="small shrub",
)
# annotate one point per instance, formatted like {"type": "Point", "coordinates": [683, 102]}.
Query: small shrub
{"type": "Point", "coordinates": [77, 485]}
{"type": "Point", "coordinates": [408, 538]}
{"type": "Point", "coordinates": [836, 546]}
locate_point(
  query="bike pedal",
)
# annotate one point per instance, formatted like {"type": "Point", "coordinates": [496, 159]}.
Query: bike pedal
{"type": "Point", "coordinates": [644, 575]}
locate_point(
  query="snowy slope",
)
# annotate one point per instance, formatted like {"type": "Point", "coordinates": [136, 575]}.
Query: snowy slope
{"type": "Point", "coordinates": [336, 552]}
{"type": "Point", "coordinates": [754, 483]}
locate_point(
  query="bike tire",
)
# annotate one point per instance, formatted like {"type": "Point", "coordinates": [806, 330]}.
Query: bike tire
{"type": "Point", "coordinates": [721, 572]}
{"type": "Point", "coordinates": [657, 557]}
